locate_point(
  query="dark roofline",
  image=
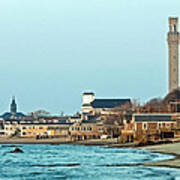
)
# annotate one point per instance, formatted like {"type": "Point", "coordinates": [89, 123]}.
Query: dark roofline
{"type": "Point", "coordinates": [112, 99]}
{"type": "Point", "coordinates": [109, 103]}
{"type": "Point", "coordinates": [86, 105]}
{"type": "Point", "coordinates": [88, 93]}
{"type": "Point", "coordinates": [155, 120]}
{"type": "Point", "coordinates": [47, 124]}
{"type": "Point", "coordinates": [39, 123]}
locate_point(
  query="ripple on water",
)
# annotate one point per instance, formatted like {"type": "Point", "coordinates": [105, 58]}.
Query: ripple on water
{"type": "Point", "coordinates": [81, 162]}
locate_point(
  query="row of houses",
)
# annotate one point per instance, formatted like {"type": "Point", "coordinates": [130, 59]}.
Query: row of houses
{"type": "Point", "coordinates": [77, 131]}
{"type": "Point", "coordinates": [142, 125]}
{"type": "Point", "coordinates": [153, 126]}
{"type": "Point", "coordinates": [93, 122]}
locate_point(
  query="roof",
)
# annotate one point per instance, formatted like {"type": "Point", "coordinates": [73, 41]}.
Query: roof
{"type": "Point", "coordinates": [53, 117]}
{"type": "Point", "coordinates": [89, 121]}
{"type": "Point", "coordinates": [9, 115]}
{"type": "Point", "coordinates": [109, 103]}
{"type": "Point", "coordinates": [86, 105]}
{"type": "Point", "coordinates": [88, 93]}
{"type": "Point", "coordinates": [154, 118]}
{"type": "Point", "coordinates": [37, 123]}
{"type": "Point", "coordinates": [47, 123]}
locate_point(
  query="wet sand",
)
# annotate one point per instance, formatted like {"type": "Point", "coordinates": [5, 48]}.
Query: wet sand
{"type": "Point", "coordinates": [92, 142]}
{"type": "Point", "coordinates": [34, 141]}
{"type": "Point", "coordinates": [172, 149]}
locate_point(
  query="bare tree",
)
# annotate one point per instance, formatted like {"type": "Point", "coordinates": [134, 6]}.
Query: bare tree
{"type": "Point", "coordinates": [41, 113]}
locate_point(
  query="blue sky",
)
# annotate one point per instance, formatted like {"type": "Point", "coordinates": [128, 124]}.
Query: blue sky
{"type": "Point", "coordinates": [51, 51]}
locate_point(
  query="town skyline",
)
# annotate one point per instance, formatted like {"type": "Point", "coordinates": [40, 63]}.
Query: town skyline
{"type": "Point", "coordinates": [89, 89]}
{"type": "Point", "coordinates": [51, 57]}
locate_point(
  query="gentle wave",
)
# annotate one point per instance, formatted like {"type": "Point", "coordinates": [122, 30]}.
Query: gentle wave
{"type": "Point", "coordinates": [81, 162]}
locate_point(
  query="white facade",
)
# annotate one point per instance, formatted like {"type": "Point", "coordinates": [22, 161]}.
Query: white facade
{"type": "Point", "coordinates": [87, 109]}
{"type": "Point", "coordinates": [88, 98]}
{"type": "Point", "coordinates": [10, 129]}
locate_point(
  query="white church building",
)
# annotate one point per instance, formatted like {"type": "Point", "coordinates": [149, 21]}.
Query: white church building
{"type": "Point", "coordinates": [92, 105]}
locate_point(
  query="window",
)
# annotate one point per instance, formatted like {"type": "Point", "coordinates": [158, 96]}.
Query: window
{"type": "Point", "coordinates": [24, 133]}
{"type": "Point", "coordinates": [83, 129]}
{"type": "Point", "coordinates": [23, 127]}
{"type": "Point", "coordinates": [89, 129]}
{"type": "Point", "coordinates": [160, 125]}
{"type": "Point", "coordinates": [167, 124]}
{"type": "Point", "coordinates": [145, 126]}
{"type": "Point", "coordinates": [77, 128]}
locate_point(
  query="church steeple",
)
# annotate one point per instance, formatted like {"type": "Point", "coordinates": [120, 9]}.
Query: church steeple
{"type": "Point", "coordinates": [13, 107]}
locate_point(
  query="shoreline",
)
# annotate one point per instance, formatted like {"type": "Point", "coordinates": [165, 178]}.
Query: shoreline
{"type": "Point", "coordinates": [57, 141]}
{"type": "Point", "coordinates": [168, 149]}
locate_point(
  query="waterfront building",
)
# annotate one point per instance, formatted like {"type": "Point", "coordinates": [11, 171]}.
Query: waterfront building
{"type": "Point", "coordinates": [34, 128]}
{"type": "Point", "coordinates": [11, 128]}
{"type": "Point", "coordinates": [154, 126]}
{"type": "Point", "coordinates": [46, 130]}
{"type": "Point", "coordinates": [84, 131]}
{"type": "Point", "coordinates": [2, 133]}
{"type": "Point", "coordinates": [91, 105]}
{"type": "Point", "coordinates": [173, 45]}
{"type": "Point", "coordinates": [93, 130]}
{"type": "Point", "coordinates": [75, 118]}
{"type": "Point", "coordinates": [127, 133]}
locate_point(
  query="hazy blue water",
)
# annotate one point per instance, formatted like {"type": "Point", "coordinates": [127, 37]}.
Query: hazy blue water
{"type": "Point", "coordinates": [55, 162]}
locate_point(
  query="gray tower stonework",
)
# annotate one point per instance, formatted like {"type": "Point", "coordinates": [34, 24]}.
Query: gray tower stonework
{"type": "Point", "coordinates": [173, 44]}
{"type": "Point", "coordinates": [13, 107]}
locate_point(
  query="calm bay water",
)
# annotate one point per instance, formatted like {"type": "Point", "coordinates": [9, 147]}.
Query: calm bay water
{"type": "Point", "coordinates": [73, 162]}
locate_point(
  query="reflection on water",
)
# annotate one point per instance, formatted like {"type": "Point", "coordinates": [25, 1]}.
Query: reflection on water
{"type": "Point", "coordinates": [81, 163]}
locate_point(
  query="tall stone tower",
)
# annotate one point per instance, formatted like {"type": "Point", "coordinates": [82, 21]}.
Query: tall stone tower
{"type": "Point", "coordinates": [173, 44]}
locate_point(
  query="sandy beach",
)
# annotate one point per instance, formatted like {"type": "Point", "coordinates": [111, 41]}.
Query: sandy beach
{"type": "Point", "coordinates": [57, 141]}
{"type": "Point", "coordinates": [173, 149]}
{"type": "Point", "coordinates": [33, 141]}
